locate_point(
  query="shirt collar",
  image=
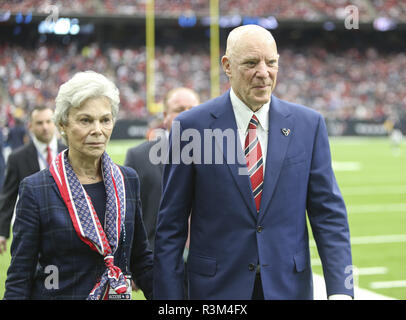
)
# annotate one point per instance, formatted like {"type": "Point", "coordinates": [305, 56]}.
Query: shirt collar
{"type": "Point", "coordinates": [42, 147]}
{"type": "Point", "coordinates": [243, 113]}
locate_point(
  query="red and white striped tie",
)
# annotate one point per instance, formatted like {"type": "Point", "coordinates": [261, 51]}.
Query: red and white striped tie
{"type": "Point", "coordinates": [253, 154]}
{"type": "Point", "coordinates": [49, 155]}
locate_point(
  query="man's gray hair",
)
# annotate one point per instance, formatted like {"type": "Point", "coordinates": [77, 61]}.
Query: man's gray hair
{"type": "Point", "coordinates": [82, 86]}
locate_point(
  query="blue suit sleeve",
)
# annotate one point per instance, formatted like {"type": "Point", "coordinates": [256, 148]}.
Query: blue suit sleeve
{"type": "Point", "coordinates": [328, 218]}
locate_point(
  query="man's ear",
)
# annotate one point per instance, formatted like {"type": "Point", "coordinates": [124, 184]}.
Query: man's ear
{"type": "Point", "coordinates": [225, 62]}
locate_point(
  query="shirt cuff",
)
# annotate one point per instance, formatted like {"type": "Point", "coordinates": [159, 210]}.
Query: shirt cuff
{"type": "Point", "coordinates": [340, 297]}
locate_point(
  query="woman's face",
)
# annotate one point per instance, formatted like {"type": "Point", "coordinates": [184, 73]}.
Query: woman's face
{"type": "Point", "coordinates": [89, 128]}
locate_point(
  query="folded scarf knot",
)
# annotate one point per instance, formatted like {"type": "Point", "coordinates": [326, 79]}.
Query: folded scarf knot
{"type": "Point", "coordinates": [116, 278]}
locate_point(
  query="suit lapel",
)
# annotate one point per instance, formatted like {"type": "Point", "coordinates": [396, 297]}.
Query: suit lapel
{"type": "Point", "coordinates": [277, 146]}
{"type": "Point", "coordinates": [225, 120]}
{"type": "Point", "coordinates": [32, 154]}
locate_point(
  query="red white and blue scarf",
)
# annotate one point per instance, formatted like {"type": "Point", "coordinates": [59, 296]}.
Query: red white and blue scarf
{"type": "Point", "coordinates": [86, 222]}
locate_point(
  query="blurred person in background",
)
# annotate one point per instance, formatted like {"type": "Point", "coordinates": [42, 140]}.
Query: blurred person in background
{"type": "Point", "coordinates": [393, 128]}
{"type": "Point", "coordinates": [248, 230]}
{"type": "Point", "coordinates": [175, 102]}
{"type": "Point", "coordinates": [82, 216]}
{"type": "Point", "coordinates": [17, 135]}
{"type": "Point", "coordinates": [26, 160]}
{"type": "Point", "coordinates": [396, 137]}
{"type": "Point", "coordinates": [153, 125]}
{"type": "Point", "coordinates": [150, 174]}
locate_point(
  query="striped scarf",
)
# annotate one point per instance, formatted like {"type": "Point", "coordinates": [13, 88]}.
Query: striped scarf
{"type": "Point", "coordinates": [86, 222]}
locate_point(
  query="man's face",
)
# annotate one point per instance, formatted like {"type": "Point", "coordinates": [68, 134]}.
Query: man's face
{"type": "Point", "coordinates": [178, 102]}
{"type": "Point", "coordinates": [42, 125]}
{"type": "Point", "coordinates": [252, 68]}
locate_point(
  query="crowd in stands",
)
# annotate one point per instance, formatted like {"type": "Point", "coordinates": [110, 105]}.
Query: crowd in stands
{"type": "Point", "coordinates": [391, 8]}
{"type": "Point", "coordinates": [352, 84]}
{"type": "Point", "coordinates": [365, 84]}
{"type": "Point", "coordinates": [44, 6]}
{"type": "Point", "coordinates": [282, 9]}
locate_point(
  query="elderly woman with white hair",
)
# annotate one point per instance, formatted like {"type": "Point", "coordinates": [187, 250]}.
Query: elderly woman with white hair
{"type": "Point", "coordinates": [78, 232]}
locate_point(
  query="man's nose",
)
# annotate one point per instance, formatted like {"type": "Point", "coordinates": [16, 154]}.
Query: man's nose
{"type": "Point", "coordinates": [262, 69]}
{"type": "Point", "coordinates": [46, 126]}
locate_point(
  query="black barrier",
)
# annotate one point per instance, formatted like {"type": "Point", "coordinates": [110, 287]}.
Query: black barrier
{"type": "Point", "coordinates": [357, 128]}
{"type": "Point", "coordinates": [130, 129]}
{"type": "Point", "coordinates": [137, 129]}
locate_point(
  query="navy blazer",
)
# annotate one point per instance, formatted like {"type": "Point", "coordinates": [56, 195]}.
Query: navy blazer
{"type": "Point", "coordinates": [229, 240]}
{"type": "Point", "coordinates": [46, 247]}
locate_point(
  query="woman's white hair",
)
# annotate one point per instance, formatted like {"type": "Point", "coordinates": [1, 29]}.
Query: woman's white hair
{"type": "Point", "coordinates": [82, 86]}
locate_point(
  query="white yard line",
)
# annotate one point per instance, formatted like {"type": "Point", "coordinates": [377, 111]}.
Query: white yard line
{"type": "Point", "coordinates": [371, 271]}
{"type": "Point", "coordinates": [346, 166]}
{"type": "Point", "coordinates": [368, 190]}
{"type": "Point", "coordinates": [319, 287]}
{"type": "Point", "coordinates": [391, 238]}
{"type": "Point", "coordinates": [376, 208]}
{"type": "Point", "coordinates": [388, 284]}
{"type": "Point", "coordinates": [359, 271]}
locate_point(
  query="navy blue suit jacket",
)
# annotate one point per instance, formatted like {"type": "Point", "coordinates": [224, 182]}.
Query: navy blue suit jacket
{"type": "Point", "coordinates": [228, 238]}
{"type": "Point", "coordinates": [45, 242]}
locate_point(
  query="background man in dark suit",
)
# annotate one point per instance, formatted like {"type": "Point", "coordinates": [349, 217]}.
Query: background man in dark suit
{"type": "Point", "coordinates": [176, 101]}
{"type": "Point", "coordinates": [17, 135]}
{"type": "Point", "coordinates": [248, 230]}
{"type": "Point", "coordinates": [25, 161]}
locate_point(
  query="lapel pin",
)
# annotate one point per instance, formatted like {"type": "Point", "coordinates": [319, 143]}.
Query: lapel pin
{"type": "Point", "coordinates": [285, 132]}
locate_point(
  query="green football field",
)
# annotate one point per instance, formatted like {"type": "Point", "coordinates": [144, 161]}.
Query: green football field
{"type": "Point", "coordinates": [372, 178]}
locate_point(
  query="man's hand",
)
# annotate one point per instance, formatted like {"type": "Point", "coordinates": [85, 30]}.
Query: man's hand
{"type": "Point", "coordinates": [3, 244]}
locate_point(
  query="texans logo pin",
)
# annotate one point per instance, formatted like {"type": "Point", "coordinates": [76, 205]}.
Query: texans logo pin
{"type": "Point", "coordinates": [285, 132]}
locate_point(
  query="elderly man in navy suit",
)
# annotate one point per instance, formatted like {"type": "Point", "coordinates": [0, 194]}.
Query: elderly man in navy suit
{"type": "Point", "coordinates": [249, 237]}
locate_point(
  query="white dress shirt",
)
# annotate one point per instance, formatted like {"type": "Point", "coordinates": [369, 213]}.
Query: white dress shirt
{"type": "Point", "coordinates": [243, 115]}
{"type": "Point", "coordinates": [42, 151]}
